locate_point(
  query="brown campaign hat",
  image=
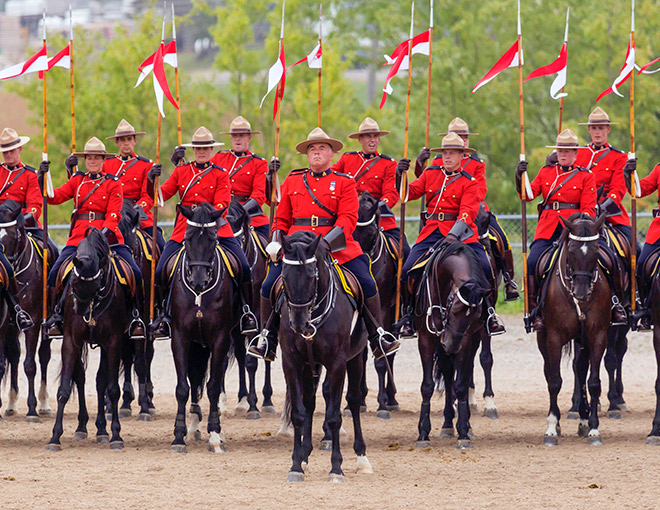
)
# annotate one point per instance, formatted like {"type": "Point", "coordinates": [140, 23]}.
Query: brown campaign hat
{"type": "Point", "coordinates": [125, 129]}
{"type": "Point", "coordinates": [202, 138]}
{"type": "Point", "coordinates": [598, 118]}
{"type": "Point", "coordinates": [369, 126]}
{"type": "Point", "coordinates": [452, 141]}
{"type": "Point", "coordinates": [240, 126]}
{"type": "Point", "coordinates": [565, 140]}
{"type": "Point", "coordinates": [9, 140]}
{"type": "Point", "coordinates": [317, 135]}
{"type": "Point", "coordinates": [94, 147]}
{"type": "Point", "coordinates": [458, 126]}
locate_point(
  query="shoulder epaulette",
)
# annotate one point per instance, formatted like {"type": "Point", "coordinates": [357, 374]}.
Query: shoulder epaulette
{"type": "Point", "coordinates": [342, 174]}
{"type": "Point", "coordinates": [386, 157]}
{"type": "Point", "coordinates": [77, 173]}
{"type": "Point", "coordinates": [298, 171]}
{"type": "Point", "coordinates": [111, 157]}
{"type": "Point", "coordinates": [142, 158]}
{"type": "Point", "coordinates": [217, 166]}
{"type": "Point", "coordinates": [617, 150]}
{"type": "Point", "coordinates": [466, 174]}
{"type": "Point", "coordinates": [433, 167]}
{"type": "Point", "coordinates": [351, 152]}
{"type": "Point", "coordinates": [113, 177]}
{"type": "Point", "coordinates": [30, 168]}
{"type": "Point", "coordinates": [582, 169]}
{"type": "Point", "coordinates": [475, 157]}
{"type": "Point", "coordinates": [257, 157]}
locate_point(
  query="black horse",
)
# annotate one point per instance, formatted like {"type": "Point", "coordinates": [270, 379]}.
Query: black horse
{"type": "Point", "coordinates": [450, 325]}
{"type": "Point", "coordinates": [576, 305]}
{"type": "Point", "coordinates": [94, 313]}
{"type": "Point", "coordinates": [383, 266]}
{"type": "Point", "coordinates": [202, 317]}
{"type": "Point", "coordinates": [26, 259]}
{"type": "Point", "coordinates": [316, 328]}
{"type": "Point", "coordinates": [252, 245]}
{"type": "Point", "coordinates": [654, 297]}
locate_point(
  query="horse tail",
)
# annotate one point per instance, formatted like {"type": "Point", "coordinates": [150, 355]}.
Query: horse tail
{"type": "Point", "coordinates": [567, 350]}
{"type": "Point", "coordinates": [438, 376]}
{"type": "Point", "coordinates": [198, 367]}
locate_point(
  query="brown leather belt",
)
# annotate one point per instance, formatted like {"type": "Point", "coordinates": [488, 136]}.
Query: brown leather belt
{"type": "Point", "coordinates": [240, 198]}
{"type": "Point", "coordinates": [91, 216]}
{"type": "Point", "coordinates": [314, 221]}
{"type": "Point", "coordinates": [442, 217]}
{"type": "Point", "coordinates": [555, 206]}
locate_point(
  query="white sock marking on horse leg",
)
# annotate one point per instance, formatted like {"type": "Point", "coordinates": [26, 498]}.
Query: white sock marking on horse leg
{"type": "Point", "coordinates": [342, 431]}
{"type": "Point", "coordinates": [43, 398]}
{"type": "Point", "coordinates": [489, 403]}
{"type": "Point", "coordinates": [552, 425]}
{"type": "Point", "coordinates": [13, 399]}
{"type": "Point", "coordinates": [222, 403]}
{"type": "Point", "coordinates": [472, 399]}
{"type": "Point", "coordinates": [242, 405]}
{"type": "Point", "coordinates": [285, 425]}
{"type": "Point", "coordinates": [193, 426]}
{"type": "Point", "coordinates": [594, 433]}
{"type": "Point", "coordinates": [215, 442]}
{"type": "Point", "coordinates": [363, 465]}
{"type": "Point", "coordinates": [584, 423]}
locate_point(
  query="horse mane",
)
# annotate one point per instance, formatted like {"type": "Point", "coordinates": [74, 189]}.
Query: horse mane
{"type": "Point", "coordinates": [202, 213]}
{"type": "Point", "coordinates": [96, 244]}
{"type": "Point", "coordinates": [574, 218]}
{"type": "Point", "coordinates": [300, 240]}
{"type": "Point", "coordinates": [477, 285]}
{"type": "Point", "coordinates": [12, 207]}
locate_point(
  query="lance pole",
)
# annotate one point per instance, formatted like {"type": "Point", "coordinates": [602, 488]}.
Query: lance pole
{"type": "Point", "coordinates": [44, 157]}
{"type": "Point", "coordinates": [321, 48]}
{"type": "Point", "coordinates": [176, 84]}
{"type": "Point", "coordinates": [633, 195]}
{"type": "Point", "coordinates": [428, 112]}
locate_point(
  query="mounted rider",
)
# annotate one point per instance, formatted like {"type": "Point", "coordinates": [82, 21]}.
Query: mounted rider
{"type": "Point", "coordinates": [98, 200]}
{"type": "Point", "coordinates": [320, 200]}
{"type": "Point", "coordinates": [452, 198]}
{"type": "Point", "coordinates": [131, 170]}
{"type": "Point", "coordinates": [476, 167]}
{"type": "Point", "coordinates": [247, 173]}
{"type": "Point", "coordinates": [197, 182]}
{"type": "Point", "coordinates": [375, 173]}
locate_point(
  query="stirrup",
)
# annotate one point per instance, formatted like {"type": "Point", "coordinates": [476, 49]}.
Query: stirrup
{"type": "Point", "coordinates": [616, 305]}
{"type": "Point", "coordinates": [492, 315]}
{"type": "Point", "coordinates": [161, 329]}
{"type": "Point", "coordinates": [404, 327]}
{"type": "Point", "coordinates": [248, 317]}
{"type": "Point", "coordinates": [379, 351]}
{"type": "Point", "coordinates": [259, 347]}
{"type": "Point", "coordinates": [137, 329]}
{"type": "Point", "coordinates": [23, 319]}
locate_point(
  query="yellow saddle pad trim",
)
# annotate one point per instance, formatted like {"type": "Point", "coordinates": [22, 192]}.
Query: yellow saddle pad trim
{"type": "Point", "coordinates": [257, 240]}
{"type": "Point", "coordinates": [36, 246]}
{"type": "Point", "coordinates": [655, 268]}
{"type": "Point", "coordinates": [176, 263]}
{"type": "Point", "coordinates": [225, 259]}
{"type": "Point", "coordinates": [120, 275]}
{"type": "Point", "coordinates": [551, 263]}
{"type": "Point", "coordinates": [617, 245]}
{"type": "Point", "coordinates": [342, 279]}
{"type": "Point", "coordinates": [146, 249]}
{"type": "Point", "coordinates": [388, 245]}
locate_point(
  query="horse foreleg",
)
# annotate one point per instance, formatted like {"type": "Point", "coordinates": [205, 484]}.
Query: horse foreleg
{"type": "Point", "coordinates": [392, 403]}
{"type": "Point", "coordinates": [44, 359]}
{"type": "Point", "coordinates": [240, 354]}
{"type": "Point", "coordinates": [427, 346]}
{"type": "Point", "coordinates": [595, 358]}
{"type": "Point", "coordinates": [309, 402]}
{"type": "Point", "coordinates": [293, 377]}
{"type": "Point", "coordinates": [550, 347]}
{"type": "Point", "coordinates": [621, 349]}
{"type": "Point", "coordinates": [101, 387]}
{"type": "Point", "coordinates": [13, 348]}
{"type": "Point", "coordinates": [326, 442]}
{"type": "Point", "coordinates": [251, 365]}
{"type": "Point", "coordinates": [114, 360]}
{"type": "Point", "coordinates": [381, 369]}
{"type": "Point", "coordinates": [486, 360]}
{"type": "Point", "coordinates": [149, 357]}
{"type": "Point", "coordinates": [445, 369]}
{"type": "Point", "coordinates": [83, 415]}
{"type": "Point", "coordinates": [69, 359]}
{"type": "Point", "coordinates": [335, 378]}
{"type": "Point", "coordinates": [574, 411]}
{"type": "Point", "coordinates": [654, 437]}
{"type": "Point", "coordinates": [213, 390]}
{"type": "Point", "coordinates": [128, 357]}
{"type": "Point", "coordinates": [581, 364]}
{"type": "Point", "coordinates": [267, 404]}
{"type": "Point", "coordinates": [464, 364]}
{"type": "Point", "coordinates": [354, 368]}
{"type": "Point", "coordinates": [141, 371]}
{"type": "Point", "coordinates": [30, 368]}
{"type": "Point", "coordinates": [180, 355]}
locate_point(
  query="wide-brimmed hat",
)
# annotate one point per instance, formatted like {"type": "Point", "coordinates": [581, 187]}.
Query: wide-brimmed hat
{"type": "Point", "coordinates": [368, 127]}
{"type": "Point", "coordinates": [203, 138]}
{"type": "Point", "coordinates": [452, 141]}
{"type": "Point", "coordinates": [94, 147]}
{"type": "Point", "coordinates": [240, 126]}
{"type": "Point", "coordinates": [458, 126]}
{"type": "Point", "coordinates": [598, 118]}
{"type": "Point", "coordinates": [9, 140]}
{"type": "Point", "coordinates": [566, 140]}
{"type": "Point", "coordinates": [125, 129]}
{"type": "Point", "coordinates": [317, 135]}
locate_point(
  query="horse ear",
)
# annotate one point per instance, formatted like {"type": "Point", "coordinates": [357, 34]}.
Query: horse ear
{"type": "Point", "coordinates": [600, 220]}
{"type": "Point", "coordinates": [215, 215]}
{"type": "Point", "coordinates": [314, 245]}
{"type": "Point", "coordinates": [567, 223]}
{"type": "Point", "coordinates": [187, 212]}
{"type": "Point", "coordinates": [77, 263]}
{"type": "Point", "coordinates": [285, 243]}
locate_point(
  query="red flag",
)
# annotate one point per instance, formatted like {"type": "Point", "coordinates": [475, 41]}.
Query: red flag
{"type": "Point", "coordinates": [644, 68]}
{"type": "Point", "coordinates": [37, 62]}
{"type": "Point", "coordinates": [62, 59]}
{"type": "Point", "coordinates": [314, 59]}
{"type": "Point", "coordinates": [161, 86]}
{"type": "Point", "coordinates": [626, 71]}
{"type": "Point", "coordinates": [276, 78]}
{"type": "Point", "coordinates": [558, 67]}
{"type": "Point", "coordinates": [169, 57]}
{"type": "Point", "coordinates": [509, 59]}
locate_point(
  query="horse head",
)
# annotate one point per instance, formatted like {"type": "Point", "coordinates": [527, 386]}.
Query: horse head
{"type": "Point", "coordinates": [90, 267]}
{"type": "Point", "coordinates": [366, 231]}
{"type": "Point", "coordinates": [302, 256]}
{"type": "Point", "coordinates": [238, 219]}
{"type": "Point", "coordinates": [12, 227]}
{"type": "Point", "coordinates": [131, 215]}
{"type": "Point", "coordinates": [201, 239]}
{"type": "Point", "coordinates": [581, 236]}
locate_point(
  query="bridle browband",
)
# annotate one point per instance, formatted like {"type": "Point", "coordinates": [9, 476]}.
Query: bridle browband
{"type": "Point", "coordinates": [365, 223]}
{"type": "Point", "coordinates": [584, 239]}
{"type": "Point", "coordinates": [201, 225]}
{"type": "Point", "coordinates": [290, 262]}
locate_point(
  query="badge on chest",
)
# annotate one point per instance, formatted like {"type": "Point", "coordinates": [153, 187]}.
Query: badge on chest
{"type": "Point", "coordinates": [333, 185]}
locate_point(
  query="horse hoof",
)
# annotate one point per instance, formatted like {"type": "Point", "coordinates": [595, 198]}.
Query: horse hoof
{"type": "Point", "coordinates": [144, 417]}
{"type": "Point", "coordinates": [117, 445]}
{"type": "Point", "coordinates": [268, 410]}
{"type": "Point", "coordinates": [423, 444]}
{"type": "Point", "coordinates": [125, 412]}
{"type": "Point", "coordinates": [347, 413]}
{"type": "Point", "coordinates": [395, 408]}
{"type": "Point", "coordinates": [242, 405]}
{"type": "Point", "coordinates": [491, 413]}
{"type": "Point", "coordinates": [573, 415]}
{"type": "Point", "coordinates": [32, 419]}
{"type": "Point", "coordinates": [326, 445]}
{"type": "Point", "coordinates": [10, 412]}
{"type": "Point", "coordinates": [363, 409]}
{"type": "Point", "coordinates": [335, 478]}
{"type": "Point", "coordinates": [79, 435]}
{"type": "Point", "coordinates": [383, 415]}
{"type": "Point", "coordinates": [614, 414]}
{"type": "Point", "coordinates": [470, 433]}
{"type": "Point", "coordinates": [197, 435]}
{"type": "Point", "coordinates": [653, 440]}
{"type": "Point", "coordinates": [45, 412]}
{"type": "Point", "coordinates": [595, 441]}
{"type": "Point", "coordinates": [253, 415]}
{"type": "Point", "coordinates": [550, 440]}
{"type": "Point", "coordinates": [295, 476]}
{"type": "Point", "coordinates": [464, 444]}
{"type": "Point", "coordinates": [179, 448]}
{"type": "Point", "coordinates": [583, 430]}
{"type": "Point", "coordinates": [447, 432]}
{"type": "Point", "coordinates": [152, 411]}
{"type": "Point", "coordinates": [217, 448]}
{"type": "Point", "coordinates": [363, 465]}
{"type": "Point", "coordinates": [622, 406]}
{"type": "Point", "coordinates": [102, 439]}
{"type": "Point", "coordinates": [54, 447]}
{"type": "Point", "coordinates": [474, 408]}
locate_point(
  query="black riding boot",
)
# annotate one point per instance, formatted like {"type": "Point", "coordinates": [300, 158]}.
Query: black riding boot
{"type": "Point", "coordinates": [21, 317]}
{"type": "Point", "coordinates": [619, 317]}
{"type": "Point", "coordinates": [511, 291]}
{"type": "Point", "coordinates": [264, 345]}
{"type": "Point", "coordinates": [161, 328]}
{"type": "Point", "coordinates": [137, 329]}
{"type": "Point", "coordinates": [537, 323]}
{"type": "Point", "coordinates": [493, 324]}
{"type": "Point", "coordinates": [404, 327]}
{"type": "Point", "coordinates": [248, 322]}
{"type": "Point", "coordinates": [372, 320]}
{"type": "Point", "coordinates": [641, 319]}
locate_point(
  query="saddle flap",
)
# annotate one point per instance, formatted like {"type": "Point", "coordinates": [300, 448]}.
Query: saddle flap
{"type": "Point", "coordinates": [349, 283]}
{"type": "Point", "coordinates": [231, 262]}
{"type": "Point", "coordinates": [124, 272]}
{"type": "Point", "coordinates": [651, 264]}
{"type": "Point", "coordinates": [546, 262]}
{"type": "Point", "coordinates": [260, 241]}
{"type": "Point", "coordinates": [496, 240]}
{"type": "Point", "coordinates": [391, 244]}
{"type": "Point", "coordinates": [64, 271]}
{"type": "Point", "coordinates": [145, 240]}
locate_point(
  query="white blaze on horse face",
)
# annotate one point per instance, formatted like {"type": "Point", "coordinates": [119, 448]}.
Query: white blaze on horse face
{"type": "Point", "coordinates": [584, 248]}
{"type": "Point", "coordinates": [552, 425]}
{"type": "Point", "coordinates": [3, 234]}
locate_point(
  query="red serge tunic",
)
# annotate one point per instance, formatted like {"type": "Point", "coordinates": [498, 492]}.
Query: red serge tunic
{"type": "Point", "coordinates": [23, 188]}
{"type": "Point", "coordinates": [197, 184]}
{"type": "Point", "coordinates": [606, 163]}
{"type": "Point", "coordinates": [247, 176]}
{"type": "Point", "coordinates": [476, 168]}
{"type": "Point", "coordinates": [580, 190]}
{"type": "Point", "coordinates": [103, 205]}
{"type": "Point", "coordinates": [649, 184]}
{"type": "Point", "coordinates": [455, 193]}
{"type": "Point", "coordinates": [336, 191]}
{"type": "Point", "coordinates": [132, 174]}
{"type": "Point", "coordinates": [375, 173]}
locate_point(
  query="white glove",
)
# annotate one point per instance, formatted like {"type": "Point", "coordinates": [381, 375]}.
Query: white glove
{"type": "Point", "coordinates": [273, 249]}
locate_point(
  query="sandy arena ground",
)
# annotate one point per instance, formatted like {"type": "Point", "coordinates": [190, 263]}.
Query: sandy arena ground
{"type": "Point", "coordinates": [507, 468]}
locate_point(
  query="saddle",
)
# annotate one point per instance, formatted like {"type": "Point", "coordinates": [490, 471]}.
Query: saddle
{"type": "Point", "coordinates": [4, 277]}
{"type": "Point", "coordinates": [391, 245]}
{"type": "Point", "coordinates": [146, 241]}
{"type": "Point", "coordinates": [121, 268]}
{"type": "Point", "coordinates": [228, 258]}
{"type": "Point", "coordinates": [497, 243]}
{"type": "Point", "coordinates": [621, 246]}
{"type": "Point", "coordinates": [650, 269]}
{"type": "Point", "coordinates": [260, 241]}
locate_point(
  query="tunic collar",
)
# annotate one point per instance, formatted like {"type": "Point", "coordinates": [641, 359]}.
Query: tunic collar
{"type": "Point", "coordinates": [126, 158]}
{"type": "Point", "coordinates": [95, 176]}
{"type": "Point", "coordinates": [598, 147]}
{"type": "Point", "coordinates": [11, 168]}
{"type": "Point", "coordinates": [201, 166]}
{"type": "Point", "coordinates": [240, 154]}
{"type": "Point", "coordinates": [320, 174]}
{"type": "Point", "coordinates": [368, 156]}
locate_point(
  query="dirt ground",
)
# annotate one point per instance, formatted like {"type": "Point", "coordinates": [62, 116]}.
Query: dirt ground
{"type": "Point", "coordinates": [508, 466]}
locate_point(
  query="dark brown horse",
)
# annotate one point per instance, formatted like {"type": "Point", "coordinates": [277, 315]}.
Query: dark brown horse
{"type": "Point", "coordinates": [576, 305]}
{"type": "Point", "coordinates": [316, 328]}
{"type": "Point", "coordinates": [202, 318]}
{"type": "Point", "coordinates": [654, 298]}
{"type": "Point", "coordinates": [449, 318]}
{"type": "Point", "coordinates": [95, 313]}
{"type": "Point", "coordinates": [383, 267]}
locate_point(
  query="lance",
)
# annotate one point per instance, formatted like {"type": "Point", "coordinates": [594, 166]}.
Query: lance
{"type": "Point", "coordinates": [320, 47]}
{"type": "Point", "coordinates": [403, 190]}
{"type": "Point", "coordinates": [73, 95]}
{"type": "Point", "coordinates": [631, 155]}
{"type": "Point", "coordinates": [176, 83]}
{"type": "Point", "coordinates": [44, 157]}
{"type": "Point", "coordinates": [428, 111]}
{"type": "Point", "coordinates": [561, 98]}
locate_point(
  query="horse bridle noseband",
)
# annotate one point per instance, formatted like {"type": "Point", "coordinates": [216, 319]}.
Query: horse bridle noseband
{"type": "Point", "coordinates": [379, 244]}
{"type": "Point", "coordinates": [187, 263]}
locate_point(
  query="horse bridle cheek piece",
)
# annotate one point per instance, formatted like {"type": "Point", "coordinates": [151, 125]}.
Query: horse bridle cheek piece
{"type": "Point", "coordinates": [568, 287]}
{"type": "Point", "coordinates": [94, 302]}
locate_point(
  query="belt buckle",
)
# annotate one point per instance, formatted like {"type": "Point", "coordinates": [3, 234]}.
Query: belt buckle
{"type": "Point", "coordinates": [555, 206]}
{"type": "Point", "coordinates": [315, 221]}
{"type": "Point", "coordinates": [441, 216]}
{"type": "Point", "coordinates": [92, 216]}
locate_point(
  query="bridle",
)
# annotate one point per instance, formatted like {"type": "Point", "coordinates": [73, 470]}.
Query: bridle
{"type": "Point", "coordinates": [21, 239]}
{"type": "Point", "coordinates": [379, 244]}
{"type": "Point", "coordinates": [567, 280]}
{"type": "Point", "coordinates": [213, 267]}
{"type": "Point", "coordinates": [98, 303]}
